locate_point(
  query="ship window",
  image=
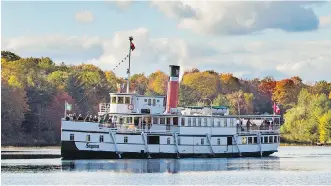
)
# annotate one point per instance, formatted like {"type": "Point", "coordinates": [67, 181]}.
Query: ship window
{"type": "Point", "coordinates": [205, 121]}
{"type": "Point", "coordinates": [278, 139]}
{"type": "Point", "coordinates": [218, 141]}
{"type": "Point", "coordinates": [250, 140]}
{"type": "Point", "coordinates": [72, 137]}
{"type": "Point", "coordinates": [194, 122]}
{"type": "Point", "coordinates": [168, 141]}
{"type": "Point", "coordinates": [199, 122]}
{"type": "Point", "coordinates": [270, 139]}
{"type": "Point", "coordinates": [162, 120]}
{"type": "Point", "coordinates": [189, 122]}
{"type": "Point", "coordinates": [218, 123]}
{"type": "Point", "coordinates": [225, 122]}
{"type": "Point", "coordinates": [254, 139]}
{"type": "Point", "coordinates": [243, 140]}
{"type": "Point", "coordinates": [113, 99]}
{"type": "Point", "coordinates": [120, 100]}
{"type": "Point", "coordinates": [125, 139]}
{"type": "Point", "coordinates": [88, 138]}
{"type": "Point", "coordinates": [183, 122]}
{"type": "Point", "coordinates": [154, 102]}
{"type": "Point", "coordinates": [158, 101]}
{"type": "Point", "coordinates": [265, 139]}
{"type": "Point", "coordinates": [178, 138]}
{"type": "Point", "coordinates": [175, 121]}
{"type": "Point", "coordinates": [101, 138]}
{"type": "Point", "coordinates": [202, 141]}
{"type": "Point", "coordinates": [127, 100]}
{"type": "Point", "coordinates": [231, 122]}
{"type": "Point", "coordinates": [149, 102]}
{"type": "Point", "coordinates": [145, 100]}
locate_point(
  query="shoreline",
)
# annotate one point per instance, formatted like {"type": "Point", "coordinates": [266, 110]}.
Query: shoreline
{"type": "Point", "coordinates": [59, 147]}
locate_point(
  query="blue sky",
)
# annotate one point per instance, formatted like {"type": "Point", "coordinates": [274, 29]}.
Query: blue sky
{"type": "Point", "coordinates": [249, 39]}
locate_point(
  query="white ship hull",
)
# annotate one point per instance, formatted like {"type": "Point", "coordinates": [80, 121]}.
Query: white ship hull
{"type": "Point", "coordinates": [136, 144]}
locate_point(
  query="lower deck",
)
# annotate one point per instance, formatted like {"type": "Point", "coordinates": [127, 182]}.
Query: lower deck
{"type": "Point", "coordinates": [134, 145]}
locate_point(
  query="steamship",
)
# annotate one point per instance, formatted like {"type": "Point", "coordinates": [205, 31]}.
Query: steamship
{"type": "Point", "coordinates": [138, 126]}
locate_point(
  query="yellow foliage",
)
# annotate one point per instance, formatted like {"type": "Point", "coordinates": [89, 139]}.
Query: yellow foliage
{"type": "Point", "coordinates": [158, 82]}
{"type": "Point", "coordinates": [203, 82]}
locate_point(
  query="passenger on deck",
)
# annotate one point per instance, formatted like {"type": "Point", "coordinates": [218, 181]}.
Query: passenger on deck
{"type": "Point", "coordinates": [95, 119]}
{"type": "Point", "coordinates": [248, 124]}
{"type": "Point", "coordinates": [80, 117]}
{"type": "Point", "coordinates": [74, 117]}
{"type": "Point", "coordinates": [91, 118]}
{"type": "Point", "coordinates": [67, 117]}
{"type": "Point", "coordinates": [87, 119]}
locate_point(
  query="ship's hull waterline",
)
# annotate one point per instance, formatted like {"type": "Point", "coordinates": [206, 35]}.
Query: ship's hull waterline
{"type": "Point", "coordinates": [69, 151]}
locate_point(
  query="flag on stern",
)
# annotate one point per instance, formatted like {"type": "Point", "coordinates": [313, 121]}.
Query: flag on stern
{"type": "Point", "coordinates": [276, 109]}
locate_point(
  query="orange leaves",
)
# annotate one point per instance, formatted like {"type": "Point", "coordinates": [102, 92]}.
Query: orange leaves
{"type": "Point", "coordinates": [267, 86]}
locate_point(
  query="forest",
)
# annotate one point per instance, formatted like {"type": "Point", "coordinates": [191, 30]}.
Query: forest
{"type": "Point", "coordinates": [34, 90]}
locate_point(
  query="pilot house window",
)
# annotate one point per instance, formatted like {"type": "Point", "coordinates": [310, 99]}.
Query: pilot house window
{"type": "Point", "coordinates": [120, 100]}
{"type": "Point", "coordinates": [127, 100]}
{"type": "Point", "coordinates": [113, 99]}
{"type": "Point", "coordinates": [125, 139]}
{"type": "Point", "coordinates": [101, 138]}
{"type": "Point", "coordinates": [154, 102]}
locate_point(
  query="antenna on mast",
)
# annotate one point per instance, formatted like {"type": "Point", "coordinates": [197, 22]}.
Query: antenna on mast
{"type": "Point", "coordinates": [132, 47]}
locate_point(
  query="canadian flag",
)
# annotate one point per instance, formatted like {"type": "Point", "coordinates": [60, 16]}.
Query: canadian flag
{"type": "Point", "coordinates": [276, 109]}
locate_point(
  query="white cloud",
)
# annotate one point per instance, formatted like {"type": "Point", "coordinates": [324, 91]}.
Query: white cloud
{"type": "Point", "coordinates": [84, 17]}
{"type": "Point", "coordinates": [123, 4]}
{"type": "Point", "coordinates": [231, 18]}
{"type": "Point", "coordinates": [325, 21]}
{"type": "Point", "coordinates": [310, 60]}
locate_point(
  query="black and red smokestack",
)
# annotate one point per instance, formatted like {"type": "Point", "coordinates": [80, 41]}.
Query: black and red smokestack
{"type": "Point", "coordinates": [173, 88]}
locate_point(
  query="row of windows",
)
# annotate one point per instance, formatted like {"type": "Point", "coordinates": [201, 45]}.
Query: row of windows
{"type": "Point", "coordinates": [120, 100]}
{"type": "Point", "coordinates": [197, 122]}
{"type": "Point", "coordinates": [244, 140]}
{"type": "Point", "coordinates": [101, 138]}
{"type": "Point", "coordinates": [265, 139]}
{"type": "Point", "coordinates": [150, 101]}
{"type": "Point", "coordinates": [190, 122]}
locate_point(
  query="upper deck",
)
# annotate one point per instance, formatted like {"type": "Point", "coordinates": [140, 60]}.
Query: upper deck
{"type": "Point", "coordinates": [132, 103]}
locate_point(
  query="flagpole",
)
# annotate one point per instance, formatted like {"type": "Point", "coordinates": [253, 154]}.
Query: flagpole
{"type": "Point", "coordinates": [128, 85]}
{"type": "Point", "coordinates": [65, 108]}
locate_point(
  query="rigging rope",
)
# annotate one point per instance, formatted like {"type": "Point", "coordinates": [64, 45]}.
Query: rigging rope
{"type": "Point", "coordinates": [103, 79]}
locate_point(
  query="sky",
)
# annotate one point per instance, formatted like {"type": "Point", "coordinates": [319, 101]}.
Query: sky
{"type": "Point", "coordinates": [251, 39]}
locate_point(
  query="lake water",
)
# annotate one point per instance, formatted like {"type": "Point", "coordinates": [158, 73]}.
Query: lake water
{"type": "Point", "coordinates": [290, 166]}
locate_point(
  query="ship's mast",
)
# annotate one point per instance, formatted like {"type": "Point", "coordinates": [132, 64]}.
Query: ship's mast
{"type": "Point", "coordinates": [128, 71]}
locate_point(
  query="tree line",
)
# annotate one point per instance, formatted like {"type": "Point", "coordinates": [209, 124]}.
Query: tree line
{"type": "Point", "coordinates": [34, 90]}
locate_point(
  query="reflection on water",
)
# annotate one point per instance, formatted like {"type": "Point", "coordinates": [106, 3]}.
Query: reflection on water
{"type": "Point", "coordinates": [172, 165]}
{"type": "Point", "coordinates": [290, 166]}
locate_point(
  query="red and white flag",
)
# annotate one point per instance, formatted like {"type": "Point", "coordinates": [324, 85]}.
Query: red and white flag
{"type": "Point", "coordinates": [276, 109]}
{"type": "Point", "coordinates": [132, 46]}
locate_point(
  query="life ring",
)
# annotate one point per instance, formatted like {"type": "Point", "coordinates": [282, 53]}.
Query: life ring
{"type": "Point", "coordinates": [130, 106]}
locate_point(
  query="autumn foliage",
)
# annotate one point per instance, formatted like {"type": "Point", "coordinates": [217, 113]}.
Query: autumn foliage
{"type": "Point", "coordinates": [34, 91]}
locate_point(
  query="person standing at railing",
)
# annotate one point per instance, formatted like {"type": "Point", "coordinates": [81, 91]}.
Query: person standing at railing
{"type": "Point", "coordinates": [248, 124]}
